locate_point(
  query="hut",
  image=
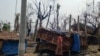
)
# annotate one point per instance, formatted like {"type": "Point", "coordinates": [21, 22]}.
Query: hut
{"type": "Point", "coordinates": [9, 43]}
{"type": "Point", "coordinates": [51, 38]}
{"type": "Point", "coordinates": [48, 42]}
{"type": "Point", "coordinates": [92, 38]}
{"type": "Point", "coordinates": [90, 29]}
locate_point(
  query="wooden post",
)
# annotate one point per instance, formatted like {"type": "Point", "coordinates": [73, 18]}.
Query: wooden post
{"type": "Point", "coordinates": [99, 28]}
{"type": "Point", "coordinates": [16, 23]}
{"type": "Point", "coordinates": [22, 32]}
{"type": "Point", "coordinates": [40, 15]}
{"type": "Point", "coordinates": [93, 5]}
{"type": "Point", "coordinates": [86, 28]}
{"type": "Point", "coordinates": [35, 30]}
{"type": "Point", "coordinates": [30, 23]}
{"type": "Point", "coordinates": [58, 7]}
{"type": "Point", "coordinates": [78, 26]}
{"type": "Point", "coordinates": [16, 7]}
{"type": "Point", "coordinates": [99, 39]}
{"type": "Point", "coordinates": [70, 17]}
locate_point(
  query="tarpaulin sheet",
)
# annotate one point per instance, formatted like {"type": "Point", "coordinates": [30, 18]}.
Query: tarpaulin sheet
{"type": "Point", "coordinates": [10, 47]}
{"type": "Point", "coordinates": [76, 43]}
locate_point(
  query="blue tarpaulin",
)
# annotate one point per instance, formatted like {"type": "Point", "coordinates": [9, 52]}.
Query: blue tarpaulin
{"type": "Point", "coordinates": [76, 43]}
{"type": "Point", "coordinates": [10, 47]}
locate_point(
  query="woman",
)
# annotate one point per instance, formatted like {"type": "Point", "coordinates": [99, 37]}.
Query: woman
{"type": "Point", "coordinates": [59, 51]}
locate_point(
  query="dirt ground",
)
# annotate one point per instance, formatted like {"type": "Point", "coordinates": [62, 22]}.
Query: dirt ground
{"type": "Point", "coordinates": [30, 54]}
{"type": "Point", "coordinates": [92, 51]}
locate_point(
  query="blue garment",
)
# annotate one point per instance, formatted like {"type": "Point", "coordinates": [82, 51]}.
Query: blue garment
{"type": "Point", "coordinates": [76, 43]}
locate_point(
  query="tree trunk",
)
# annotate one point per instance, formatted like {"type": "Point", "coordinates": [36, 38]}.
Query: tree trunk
{"type": "Point", "coordinates": [35, 31]}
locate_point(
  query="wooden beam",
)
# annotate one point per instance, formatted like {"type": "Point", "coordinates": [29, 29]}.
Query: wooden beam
{"type": "Point", "coordinates": [78, 25]}
{"type": "Point", "coordinates": [70, 17]}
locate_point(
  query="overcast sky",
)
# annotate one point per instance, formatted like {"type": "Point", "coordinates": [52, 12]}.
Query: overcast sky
{"type": "Point", "coordinates": [74, 7]}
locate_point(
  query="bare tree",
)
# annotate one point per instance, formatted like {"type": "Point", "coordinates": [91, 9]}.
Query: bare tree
{"type": "Point", "coordinates": [16, 24]}
{"type": "Point", "coordinates": [95, 24]}
{"type": "Point", "coordinates": [42, 9]}
{"type": "Point", "coordinates": [63, 22]}
{"type": "Point", "coordinates": [93, 19]}
{"type": "Point", "coordinates": [48, 16]}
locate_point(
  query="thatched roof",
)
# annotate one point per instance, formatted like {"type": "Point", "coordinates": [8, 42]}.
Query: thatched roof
{"type": "Point", "coordinates": [9, 35]}
{"type": "Point", "coordinates": [90, 29]}
{"type": "Point", "coordinates": [51, 37]}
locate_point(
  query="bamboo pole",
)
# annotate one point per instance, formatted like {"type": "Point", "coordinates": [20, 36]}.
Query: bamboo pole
{"type": "Point", "coordinates": [22, 32]}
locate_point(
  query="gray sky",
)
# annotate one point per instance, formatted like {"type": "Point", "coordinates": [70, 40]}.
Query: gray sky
{"type": "Point", "coordinates": [74, 7]}
{"type": "Point", "coordinates": [7, 10]}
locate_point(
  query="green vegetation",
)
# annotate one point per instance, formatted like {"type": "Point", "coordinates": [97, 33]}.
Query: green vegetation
{"type": "Point", "coordinates": [6, 27]}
